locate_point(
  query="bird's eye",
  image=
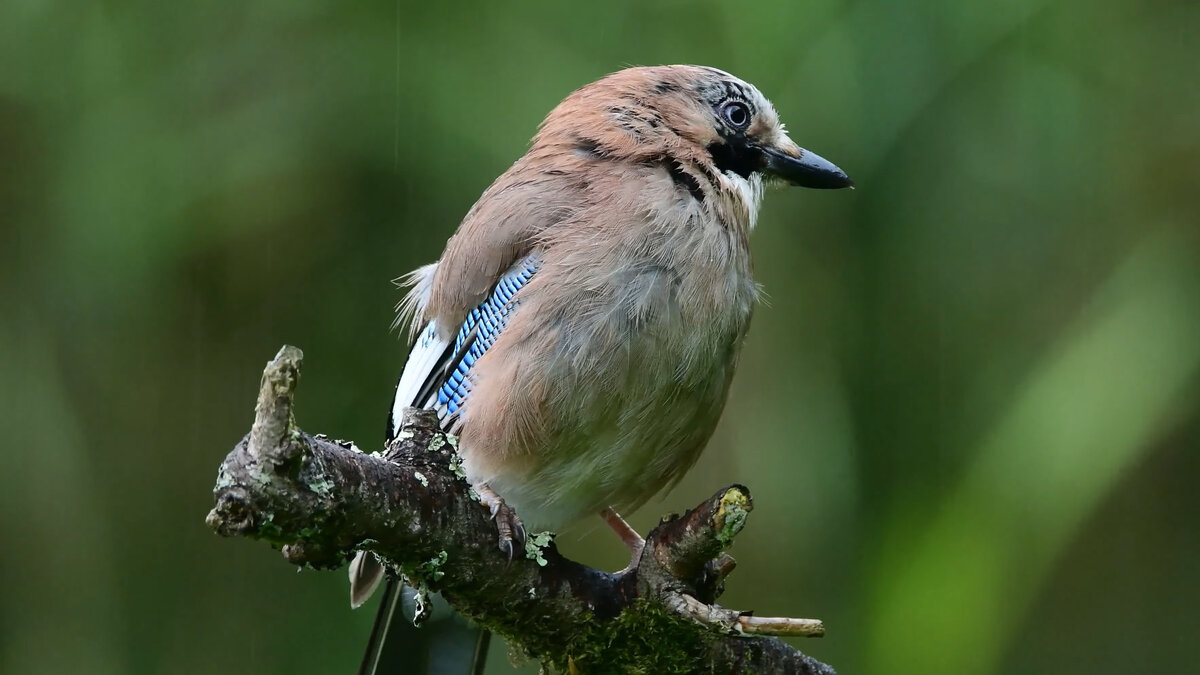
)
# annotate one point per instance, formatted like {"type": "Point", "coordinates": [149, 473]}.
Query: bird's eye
{"type": "Point", "coordinates": [736, 113]}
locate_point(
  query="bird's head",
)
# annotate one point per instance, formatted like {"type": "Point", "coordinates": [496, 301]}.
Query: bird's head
{"type": "Point", "coordinates": [691, 113]}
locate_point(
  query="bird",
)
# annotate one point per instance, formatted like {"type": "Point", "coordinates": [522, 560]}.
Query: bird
{"type": "Point", "coordinates": [580, 330]}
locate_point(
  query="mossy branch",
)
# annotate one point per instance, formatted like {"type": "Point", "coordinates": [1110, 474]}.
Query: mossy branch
{"type": "Point", "coordinates": [321, 500]}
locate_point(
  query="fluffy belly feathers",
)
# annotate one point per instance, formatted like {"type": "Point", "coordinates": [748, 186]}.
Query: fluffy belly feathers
{"type": "Point", "coordinates": [601, 393]}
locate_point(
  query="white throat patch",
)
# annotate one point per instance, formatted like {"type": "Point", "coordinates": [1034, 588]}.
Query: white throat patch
{"type": "Point", "coordinates": [747, 191]}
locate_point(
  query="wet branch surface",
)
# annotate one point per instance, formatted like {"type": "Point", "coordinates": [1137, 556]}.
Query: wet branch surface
{"type": "Point", "coordinates": [320, 500]}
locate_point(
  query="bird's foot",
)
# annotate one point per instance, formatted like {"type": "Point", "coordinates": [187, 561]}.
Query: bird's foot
{"type": "Point", "coordinates": [510, 528]}
{"type": "Point", "coordinates": [628, 535]}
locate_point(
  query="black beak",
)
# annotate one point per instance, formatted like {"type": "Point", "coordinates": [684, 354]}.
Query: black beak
{"type": "Point", "coordinates": [806, 169]}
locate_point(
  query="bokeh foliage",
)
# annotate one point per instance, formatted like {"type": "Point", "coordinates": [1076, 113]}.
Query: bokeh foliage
{"type": "Point", "coordinates": [968, 411]}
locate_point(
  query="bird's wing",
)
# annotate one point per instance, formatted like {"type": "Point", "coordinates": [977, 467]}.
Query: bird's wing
{"type": "Point", "coordinates": [437, 375]}
{"type": "Point", "coordinates": [503, 226]}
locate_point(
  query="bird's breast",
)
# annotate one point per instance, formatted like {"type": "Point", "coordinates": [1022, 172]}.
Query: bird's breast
{"type": "Point", "coordinates": [613, 372]}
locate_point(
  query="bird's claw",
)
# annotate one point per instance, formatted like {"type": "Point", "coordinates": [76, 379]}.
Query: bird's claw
{"type": "Point", "coordinates": [509, 527]}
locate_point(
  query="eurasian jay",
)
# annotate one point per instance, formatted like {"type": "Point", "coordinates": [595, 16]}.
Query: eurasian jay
{"type": "Point", "coordinates": [581, 328]}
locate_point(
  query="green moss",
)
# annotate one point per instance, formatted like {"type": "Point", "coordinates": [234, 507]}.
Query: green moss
{"type": "Point", "coordinates": [456, 465]}
{"type": "Point", "coordinates": [271, 532]}
{"type": "Point", "coordinates": [534, 544]}
{"type": "Point", "coordinates": [322, 487]}
{"type": "Point", "coordinates": [431, 570]}
{"type": "Point", "coordinates": [436, 443]}
{"type": "Point", "coordinates": [731, 515]}
{"type": "Point", "coordinates": [645, 638]}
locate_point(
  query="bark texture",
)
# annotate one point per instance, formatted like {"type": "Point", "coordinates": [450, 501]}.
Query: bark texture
{"type": "Point", "coordinates": [321, 500]}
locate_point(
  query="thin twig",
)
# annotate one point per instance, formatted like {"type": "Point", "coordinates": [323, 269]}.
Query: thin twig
{"type": "Point", "coordinates": [781, 626]}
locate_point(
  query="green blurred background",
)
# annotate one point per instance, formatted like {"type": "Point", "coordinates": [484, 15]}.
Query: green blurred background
{"type": "Point", "coordinates": [968, 411]}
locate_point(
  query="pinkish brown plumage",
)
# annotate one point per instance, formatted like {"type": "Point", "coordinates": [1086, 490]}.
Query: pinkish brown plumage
{"type": "Point", "coordinates": [593, 301]}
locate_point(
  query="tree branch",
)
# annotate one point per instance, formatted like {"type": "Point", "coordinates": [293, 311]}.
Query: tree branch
{"type": "Point", "coordinates": [320, 500]}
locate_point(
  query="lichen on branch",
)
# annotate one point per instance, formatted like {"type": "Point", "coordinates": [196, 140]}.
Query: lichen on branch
{"type": "Point", "coordinates": [321, 500]}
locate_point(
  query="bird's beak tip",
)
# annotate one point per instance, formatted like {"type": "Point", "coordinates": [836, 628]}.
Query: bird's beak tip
{"type": "Point", "coordinates": [806, 169]}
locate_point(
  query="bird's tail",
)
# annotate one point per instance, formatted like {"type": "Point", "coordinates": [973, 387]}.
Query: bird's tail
{"type": "Point", "coordinates": [444, 645]}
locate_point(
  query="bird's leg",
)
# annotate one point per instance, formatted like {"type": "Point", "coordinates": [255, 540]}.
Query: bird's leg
{"type": "Point", "coordinates": [510, 527]}
{"type": "Point", "coordinates": [628, 535]}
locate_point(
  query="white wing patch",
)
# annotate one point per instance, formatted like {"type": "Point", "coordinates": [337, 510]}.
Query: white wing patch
{"type": "Point", "coordinates": [428, 351]}
{"type": "Point", "coordinates": [426, 356]}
